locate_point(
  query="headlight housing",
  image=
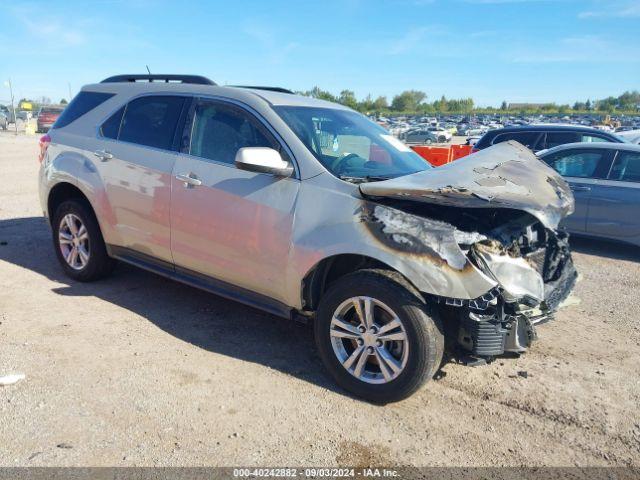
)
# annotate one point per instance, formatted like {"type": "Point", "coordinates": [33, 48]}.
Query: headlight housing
{"type": "Point", "coordinates": [518, 279]}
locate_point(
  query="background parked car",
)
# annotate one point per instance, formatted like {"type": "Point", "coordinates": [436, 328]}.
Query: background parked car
{"type": "Point", "coordinates": [441, 134]}
{"type": "Point", "coordinates": [3, 121]}
{"type": "Point", "coordinates": [24, 115]}
{"type": "Point", "coordinates": [7, 113]}
{"type": "Point", "coordinates": [47, 116]}
{"type": "Point", "coordinates": [631, 136]}
{"type": "Point", "coordinates": [421, 136]}
{"type": "Point", "coordinates": [541, 137]}
{"type": "Point", "coordinates": [605, 179]}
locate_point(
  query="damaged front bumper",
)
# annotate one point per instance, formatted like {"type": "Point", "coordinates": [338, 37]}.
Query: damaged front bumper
{"type": "Point", "coordinates": [505, 319]}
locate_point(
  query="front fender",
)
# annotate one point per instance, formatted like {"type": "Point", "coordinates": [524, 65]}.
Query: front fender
{"type": "Point", "coordinates": [424, 251]}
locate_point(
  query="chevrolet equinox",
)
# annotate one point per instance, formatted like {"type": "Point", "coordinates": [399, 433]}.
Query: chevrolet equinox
{"type": "Point", "coordinates": [308, 210]}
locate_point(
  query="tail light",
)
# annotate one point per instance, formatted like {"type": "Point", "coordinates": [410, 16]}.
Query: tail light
{"type": "Point", "coordinates": [44, 143]}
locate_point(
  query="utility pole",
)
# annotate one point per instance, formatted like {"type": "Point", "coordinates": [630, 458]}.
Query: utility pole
{"type": "Point", "coordinates": [15, 117]}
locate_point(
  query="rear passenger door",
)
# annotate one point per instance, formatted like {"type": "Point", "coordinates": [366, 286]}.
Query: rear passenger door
{"type": "Point", "coordinates": [231, 224]}
{"type": "Point", "coordinates": [140, 149]}
{"type": "Point", "coordinates": [614, 210]}
{"type": "Point", "coordinates": [581, 168]}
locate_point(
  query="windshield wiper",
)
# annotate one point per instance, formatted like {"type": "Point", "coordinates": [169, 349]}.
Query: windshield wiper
{"type": "Point", "coordinates": [366, 178]}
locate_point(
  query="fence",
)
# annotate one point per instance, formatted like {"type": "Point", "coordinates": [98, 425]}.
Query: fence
{"type": "Point", "coordinates": [437, 156]}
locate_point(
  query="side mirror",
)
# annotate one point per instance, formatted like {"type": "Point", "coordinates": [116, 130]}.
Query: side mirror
{"type": "Point", "coordinates": [263, 160]}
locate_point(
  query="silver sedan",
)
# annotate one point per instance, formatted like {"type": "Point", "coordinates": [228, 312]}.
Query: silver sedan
{"type": "Point", "coordinates": [605, 179]}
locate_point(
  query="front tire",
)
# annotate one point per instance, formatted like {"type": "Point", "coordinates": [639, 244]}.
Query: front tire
{"type": "Point", "coordinates": [78, 242]}
{"type": "Point", "coordinates": [377, 337]}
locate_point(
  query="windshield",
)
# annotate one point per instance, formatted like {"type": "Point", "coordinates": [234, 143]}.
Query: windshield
{"type": "Point", "coordinates": [349, 145]}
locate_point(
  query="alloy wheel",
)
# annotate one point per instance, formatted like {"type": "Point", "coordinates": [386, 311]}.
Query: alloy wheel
{"type": "Point", "coordinates": [369, 340]}
{"type": "Point", "coordinates": [73, 239]}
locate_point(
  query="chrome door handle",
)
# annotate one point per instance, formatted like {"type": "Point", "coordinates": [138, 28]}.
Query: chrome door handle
{"type": "Point", "coordinates": [189, 180]}
{"type": "Point", "coordinates": [103, 155]}
{"type": "Point", "coordinates": [580, 188]}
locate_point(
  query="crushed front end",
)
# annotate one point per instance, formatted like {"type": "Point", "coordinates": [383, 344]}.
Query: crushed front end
{"type": "Point", "coordinates": [488, 219]}
{"type": "Point", "coordinates": [535, 274]}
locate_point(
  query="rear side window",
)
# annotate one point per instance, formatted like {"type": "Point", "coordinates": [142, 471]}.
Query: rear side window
{"type": "Point", "coordinates": [626, 168]}
{"type": "Point", "coordinates": [81, 104]}
{"type": "Point", "coordinates": [111, 127]}
{"type": "Point", "coordinates": [528, 139]}
{"type": "Point", "coordinates": [579, 163]}
{"type": "Point", "coordinates": [561, 138]}
{"type": "Point", "coordinates": [151, 121]}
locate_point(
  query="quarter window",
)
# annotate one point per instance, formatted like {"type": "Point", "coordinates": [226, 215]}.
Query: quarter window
{"type": "Point", "coordinates": [81, 104]}
{"type": "Point", "coordinates": [626, 167]}
{"type": "Point", "coordinates": [220, 130]}
{"type": "Point", "coordinates": [151, 121]}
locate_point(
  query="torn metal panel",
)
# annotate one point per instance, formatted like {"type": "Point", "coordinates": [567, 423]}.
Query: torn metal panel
{"type": "Point", "coordinates": [506, 175]}
{"type": "Point", "coordinates": [420, 236]}
{"type": "Point", "coordinates": [515, 275]}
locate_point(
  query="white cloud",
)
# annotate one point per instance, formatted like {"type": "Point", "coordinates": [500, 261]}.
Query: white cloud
{"type": "Point", "coordinates": [408, 41]}
{"type": "Point", "coordinates": [619, 9]}
{"type": "Point", "coordinates": [583, 48]}
{"type": "Point", "coordinates": [276, 51]}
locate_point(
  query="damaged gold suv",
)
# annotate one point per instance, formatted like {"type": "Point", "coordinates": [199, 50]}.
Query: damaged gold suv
{"type": "Point", "coordinates": [308, 210]}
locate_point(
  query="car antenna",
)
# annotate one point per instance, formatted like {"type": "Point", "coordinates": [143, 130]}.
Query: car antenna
{"type": "Point", "coordinates": [148, 69]}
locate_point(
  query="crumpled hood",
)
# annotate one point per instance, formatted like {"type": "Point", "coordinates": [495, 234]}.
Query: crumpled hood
{"type": "Point", "coordinates": [507, 175]}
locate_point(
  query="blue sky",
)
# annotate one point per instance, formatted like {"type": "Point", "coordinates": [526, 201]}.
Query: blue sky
{"type": "Point", "coordinates": [491, 50]}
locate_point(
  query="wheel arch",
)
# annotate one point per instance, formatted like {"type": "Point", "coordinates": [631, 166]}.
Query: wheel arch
{"type": "Point", "coordinates": [62, 192]}
{"type": "Point", "coordinates": [331, 268]}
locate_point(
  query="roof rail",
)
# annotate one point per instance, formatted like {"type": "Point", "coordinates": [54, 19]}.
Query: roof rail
{"type": "Point", "coordinates": [271, 89]}
{"type": "Point", "coordinates": [137, 77]}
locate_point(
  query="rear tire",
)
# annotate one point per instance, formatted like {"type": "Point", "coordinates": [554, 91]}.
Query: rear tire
{"type": "Point", "coordinates": [400, 358]}
{"type": "Point", "coordinates": [78, 242]}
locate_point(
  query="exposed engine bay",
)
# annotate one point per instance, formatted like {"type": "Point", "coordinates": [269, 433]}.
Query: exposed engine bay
{"type": "Point", "coordinates": [496, 212]}
{"type": "Point", "coordinates": [531, 264]}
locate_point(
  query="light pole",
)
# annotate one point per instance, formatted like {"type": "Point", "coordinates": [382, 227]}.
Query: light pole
{"type": "Point", "coordinates": [13, 110]}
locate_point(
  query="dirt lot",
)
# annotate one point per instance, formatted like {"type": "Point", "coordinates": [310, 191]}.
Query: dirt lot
{"type": "Point", "coordinates": [139, 370]}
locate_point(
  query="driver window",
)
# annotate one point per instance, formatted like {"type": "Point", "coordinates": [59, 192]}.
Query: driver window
{"type": "Point", "coordinates": [220, 130]}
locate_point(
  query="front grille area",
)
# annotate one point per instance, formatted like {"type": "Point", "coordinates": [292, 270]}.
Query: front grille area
{"type": "Point", "coordinates": [485, 338]}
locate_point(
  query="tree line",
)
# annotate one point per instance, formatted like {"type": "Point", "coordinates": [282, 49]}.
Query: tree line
{"type": "Point", "coordinates": [414, 102]}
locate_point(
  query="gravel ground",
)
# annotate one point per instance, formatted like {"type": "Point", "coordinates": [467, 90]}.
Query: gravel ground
{"type": "Point", "coordinates": [137, 370]}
